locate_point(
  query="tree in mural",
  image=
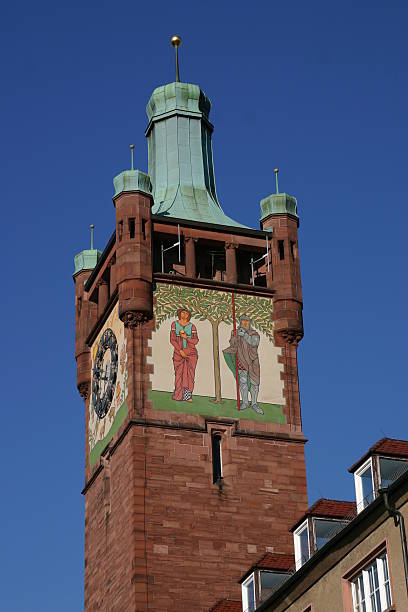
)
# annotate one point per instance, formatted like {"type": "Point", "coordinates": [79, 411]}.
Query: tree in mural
{"type": "Point", "coordinates": [215, 307]}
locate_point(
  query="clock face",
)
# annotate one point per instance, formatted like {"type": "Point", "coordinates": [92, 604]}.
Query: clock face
{"type": "Point", "coordinates": [104, 373]}
{"type": "Point", "coordinates": [109, 390]}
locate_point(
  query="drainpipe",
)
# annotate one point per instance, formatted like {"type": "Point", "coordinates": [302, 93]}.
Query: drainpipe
{"type": "Point", "coordinates": [398, 520]}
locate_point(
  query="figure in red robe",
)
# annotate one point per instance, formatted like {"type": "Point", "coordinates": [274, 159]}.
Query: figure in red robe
{"type": "Point", "coordinates": [183, 337]}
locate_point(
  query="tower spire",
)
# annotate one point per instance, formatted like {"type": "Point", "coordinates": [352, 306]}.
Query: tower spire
{"type": "Point", "coordinates": [176, 42]}
{"type": "Point", "coordinates": [92, 232]}
{"type": "Point", "coordinates": [181, 165]}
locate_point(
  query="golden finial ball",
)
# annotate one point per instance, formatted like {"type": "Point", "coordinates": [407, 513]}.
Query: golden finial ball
{"type": "Point", "coordinates": [276, 170]}
{"type": "Point", "coordinates": [92, 226]}
{"type": "Point", "coordinates": [175, 41]}
{"type": "Point", "coordinates": [132, 147]}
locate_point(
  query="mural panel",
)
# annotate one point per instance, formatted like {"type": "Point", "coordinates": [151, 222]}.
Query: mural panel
{"type": "Point", "coordinates": [213, 354]}
{"type": "Point", "coordinates": [107, 406]}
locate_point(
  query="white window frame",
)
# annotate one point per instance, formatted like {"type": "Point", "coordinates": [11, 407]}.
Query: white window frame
{"type": "Point", "coordinates": [364, 574]}
{"type": "Point", "coordinates": [359, 485]}
{"type": "Point", "coordinates": [244, 591]}
{"type": "Point", "coordinates": [296, 540]}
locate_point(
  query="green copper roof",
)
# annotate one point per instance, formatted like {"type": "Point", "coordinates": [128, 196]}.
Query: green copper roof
{"type": "Point", "coordinates": [132, 180]}
{"type": "Point", "coordinates": [181, 164]}
{"type": "Point", "coordinates": [86, 260]}
{"type": "Point", "coordinates": [178, 96]}
{"type": "Point", "coordinates": [278, 203]}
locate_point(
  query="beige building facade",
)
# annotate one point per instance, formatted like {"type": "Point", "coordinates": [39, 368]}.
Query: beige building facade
{"type": "Point", "coordinates": [361, 569]}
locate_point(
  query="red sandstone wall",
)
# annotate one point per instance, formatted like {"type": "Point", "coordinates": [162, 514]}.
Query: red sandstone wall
{"type": "Point", "coordinates": [198, 541]}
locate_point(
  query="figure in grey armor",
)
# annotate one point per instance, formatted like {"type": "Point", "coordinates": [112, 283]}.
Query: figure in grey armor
{"type": "Point", "coordinates": [245, 346]}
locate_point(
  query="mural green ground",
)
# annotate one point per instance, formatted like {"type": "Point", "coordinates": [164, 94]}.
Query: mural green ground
{"type": "Point", "coordinates": [102, 444]}
{"type": "Point", "coordinates": [162, 400]}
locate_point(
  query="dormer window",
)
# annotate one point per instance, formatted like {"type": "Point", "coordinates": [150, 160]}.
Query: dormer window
{"type": "Point", "coordinates": [302, 546]}
{"type": "Point", "coordinates": [382, 465]}
{"type": "Point", "coordinates": [363, 481]}
{"type": "Point", "coordinates": [313, 534]}
{"type": "Point", "coordinates": [322, 521]}
{"type": "Point", "coordinates": [264, 578]}
{"type": "Point", "coordinates": [381, 470]}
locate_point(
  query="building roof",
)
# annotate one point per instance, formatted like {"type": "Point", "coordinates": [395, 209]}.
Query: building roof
{"type": "Point", "coordinates": [329, 508]}
{"type": "Point", "coordinates": [227, 605]}
{"type": "Point", "coordinates": [386, 446]}
{"type": "Point", "coordinates": [273, 562]}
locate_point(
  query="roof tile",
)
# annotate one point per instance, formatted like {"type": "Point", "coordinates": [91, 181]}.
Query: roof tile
{"type": "Point", "coordinates": [329, 508]}
{"type": "Point", "coordinates": [386, 446]}
{"type": "Point", "coordinates": [277, 562]}
{"type": "Point", "coordinates": [274, 562]}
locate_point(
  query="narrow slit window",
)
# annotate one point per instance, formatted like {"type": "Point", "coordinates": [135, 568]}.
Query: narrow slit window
{"type": "Point", "coordinates": [144, 222]}
{"type": "Point", "coordinates": [131, 222]}
{"type": "Point", "coordinates": [216, 457]}
{"type": "Point", "coordinates": [120, 230]}
{"type": "Point", "coordinates": [292, 249]}
{"type": "Point", "coordinates": [281, 249]}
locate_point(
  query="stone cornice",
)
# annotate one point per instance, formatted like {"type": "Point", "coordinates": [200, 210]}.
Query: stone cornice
{"type": "Point", "coordinates": [294, 438]}
{"type": "Point", "coordinates": [207, 283]}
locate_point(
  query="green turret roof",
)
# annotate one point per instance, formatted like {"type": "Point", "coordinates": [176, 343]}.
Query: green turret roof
{"type": "Point", "coordinates": [181, 166]}
{"type": "Point", "coordinates": [86, 260]}
{"type": "Point", "coordinates": [132, 180]}
{"type": "Point", "coordinates": [278, 203]}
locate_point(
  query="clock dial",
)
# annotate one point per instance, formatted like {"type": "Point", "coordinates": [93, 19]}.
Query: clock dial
{"type": "Point", "coordinates": [104, 373]}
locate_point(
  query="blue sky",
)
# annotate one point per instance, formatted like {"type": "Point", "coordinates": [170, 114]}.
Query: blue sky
{"type": "Point", "coordinates": [316, 88]}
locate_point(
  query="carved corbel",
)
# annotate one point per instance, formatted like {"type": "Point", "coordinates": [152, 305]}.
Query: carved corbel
{"type": "Point", "coordinates": [132, 318]}
{"type": "Point", "coordinates": [290, 336]}
{"type": "Point", "coordinates": [84, 388]}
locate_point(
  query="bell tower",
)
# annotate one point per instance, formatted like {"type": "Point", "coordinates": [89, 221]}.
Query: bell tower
{"type": "Point", "coordinates": [187, 327]}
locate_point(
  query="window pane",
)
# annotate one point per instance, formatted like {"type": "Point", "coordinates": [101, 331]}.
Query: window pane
{"type": "Point", "coordinates": [367, 486]}
{"type": "Point", "coordinates": [304, 545]}
{"type": "Point", "coordinates": [390, 470]}
{"type": "Point", "coordinates": [325, 530]}
{"type": "Point", "coordinates": [377, 587]}
{"type": "Point", "coordinates": [386, 580]}
{"type": "Point", "coordinates": [272, 580]}
{"type": "Point", "coordinates": [358, 594]}
{"type": "Point", "coordinates": [374, 588]}
{"type": "Point", "coordinates": [362, 593]}
{"type": "Point", "coordinates": [250, 591]}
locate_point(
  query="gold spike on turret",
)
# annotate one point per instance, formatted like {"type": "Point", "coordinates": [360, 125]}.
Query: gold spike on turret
{"type": "Point", "coordinates": [176, 42]}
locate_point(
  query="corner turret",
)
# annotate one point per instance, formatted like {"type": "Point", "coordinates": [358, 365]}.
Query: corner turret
{"type": "Point", "coordinates": [85, 314]}
{"type": "Point", "coordinates": [133, 202]}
